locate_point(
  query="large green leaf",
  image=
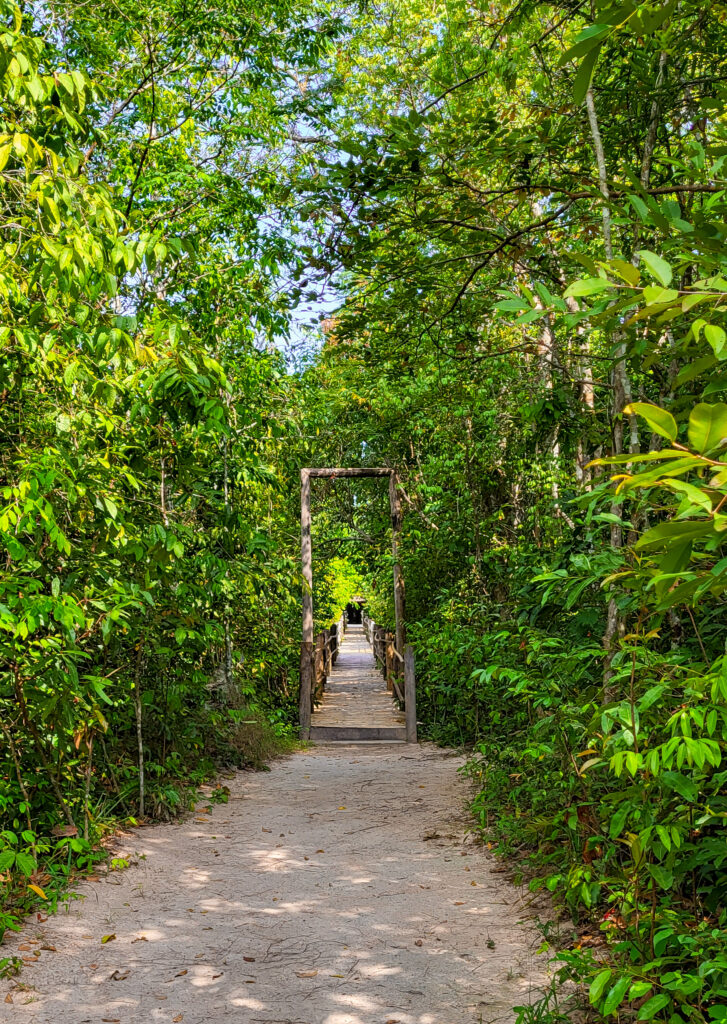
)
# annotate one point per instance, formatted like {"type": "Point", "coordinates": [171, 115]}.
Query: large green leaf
{"type": "Point", "coordinates": [657, 266]}
{"type": "Point", "coordinates": [677, 530]}
{"type": "Point", "coordinates": [660, 421]}
{"type": "Point", "coordinates": [707, 429]}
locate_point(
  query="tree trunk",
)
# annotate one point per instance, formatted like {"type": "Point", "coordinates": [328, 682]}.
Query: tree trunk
{"type": "Point", "coordinates": [139, 731]}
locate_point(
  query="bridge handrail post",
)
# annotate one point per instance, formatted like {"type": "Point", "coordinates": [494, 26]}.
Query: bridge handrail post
{"type": "Point", "coordinates": [410, 694]}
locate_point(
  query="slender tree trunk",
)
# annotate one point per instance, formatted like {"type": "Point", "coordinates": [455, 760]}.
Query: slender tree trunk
{"type": "Point", "coordinates": [139, 730]}
{"type": "Point", "coordinates": [16, 761]}
{"type": "Point", "coordinates": [87, 791]}
{"type": "Point", "coordinates": [621, 397]}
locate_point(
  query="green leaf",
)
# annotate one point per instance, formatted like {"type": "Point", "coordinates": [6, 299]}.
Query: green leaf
{"type": "Point", "coordinates": [111, 507]}
{"type": "Point", "coordinates": [587, 286]}
{"type": "Point", "coordinates": [626, 270]}
{"type": "Point", "coordinates": [615, 996]}
{"type": "Point", "coordinates": [63, 423]}
{"type": "Point", "coordinates": [653, 1006]}
{"type": "Point", "coordinates": [663, 878]}
{"type": "Point", "coordinates": [692, 493]}
{"type": "Point", "coordinates": [675, 530]}
{"type": "Point", "coordinates": [657, 266]}
{"type": "Point", "coordinates": [708, 427]}
{"type": "Point", "coordinates": [531, 316]}
{"type": "Point", "coordinates": [660, 421]}
{"type": "Point", "coordinates": [677, 558]}
{"type": "Point", "coordinates": [591, 36]}
{"type": "Point", "coordinates": [618, 820]}
{"type": "Point", "coordinates": [695, 369]}
{"type": "Point", "coordinates": [25, 863]}
{"type": "Point", "coordinates": [680, 784]}
{"type": "Point", "coordinates": [599, 984]}
{"type": "Point", "coordinates": [716, 338]}
{"type": "Point", "coordinates": [584, 75]}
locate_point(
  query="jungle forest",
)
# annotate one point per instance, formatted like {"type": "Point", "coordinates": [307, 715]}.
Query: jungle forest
{"type": "Point", "coordinates": [481, 244]}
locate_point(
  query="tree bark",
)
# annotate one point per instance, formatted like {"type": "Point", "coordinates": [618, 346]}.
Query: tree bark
{"type": "Point", "coordinates": [139, 730]}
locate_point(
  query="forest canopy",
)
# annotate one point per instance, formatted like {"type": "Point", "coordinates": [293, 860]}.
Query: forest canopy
{"type": "Point", "coordinates": [481, 245]}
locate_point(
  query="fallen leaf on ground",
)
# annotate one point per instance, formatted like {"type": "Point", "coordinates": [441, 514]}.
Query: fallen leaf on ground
{"type": "Point", "coordinates": [180, 974]}
{"type": "Point", "coordinates": [418, 942]}
{"type": "Point", "coordinates": [37, 889]}
{"type": "Point", "coordinates": [320, 851]}
{"type": "Point", "coordinates": [8, 998]}
{"type": "Point", "coordinates": [108, 938]}
{"type": "Point", "coordinates": [249, 959]}
{"type": "Point", "coordinates": [306, 974]}
{"type": "Point", "coordinates": [111, 1020]}
{"type": "Point", "coordinates": [176, 1020]}
{"type": "Point", "coordinates": [119, 975]}
{"type": "Point", "coordinates": [23, 947]}
{"type": "Point", "coordinates": [42, 918]}
{"type": "Point", "coordinates": [217, 975]}
{"type": "Point", "coordinates": [342, 808]}
{"type": "Point", "coordinates": [460, 903]}
{"type": "Point", "coordinates": [267, 830]}
{"type": "Point", "coordinates": [142, 938]}
{"type": "Point", "coordinates": [51, 949]}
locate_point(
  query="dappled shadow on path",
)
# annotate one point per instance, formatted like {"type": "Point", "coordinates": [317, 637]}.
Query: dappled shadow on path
{"type": "Point", "coordinates": [337, 889]}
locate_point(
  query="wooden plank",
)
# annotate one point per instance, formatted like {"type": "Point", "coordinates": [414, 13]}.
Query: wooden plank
{"type": "Point", "coordinates": [327, 471]}
{"type": "Point", "coordinates": [410, 695]}
{"type": "Point", "coordinates": [352, 733]}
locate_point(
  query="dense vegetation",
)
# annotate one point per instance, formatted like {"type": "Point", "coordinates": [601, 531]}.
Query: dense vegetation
{"type": "Point", "coordinates": [519, 217]}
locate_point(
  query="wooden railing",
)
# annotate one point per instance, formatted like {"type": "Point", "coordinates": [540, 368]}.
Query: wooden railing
{"type": "Point", "coordinates": [397, 668]}
{"type": "Point", "coordinates": [325, 655]}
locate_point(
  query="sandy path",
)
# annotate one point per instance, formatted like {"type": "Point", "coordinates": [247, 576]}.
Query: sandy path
{"type": "Point", "coordinates": [336, 889]}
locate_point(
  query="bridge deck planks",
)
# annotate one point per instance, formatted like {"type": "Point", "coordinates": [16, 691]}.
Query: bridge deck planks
{"type": "Point", "coordinates": [356, 704]}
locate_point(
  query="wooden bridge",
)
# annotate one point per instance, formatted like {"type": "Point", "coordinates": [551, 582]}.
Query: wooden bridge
{"type": "Point", "coordinates": [361, 686]}
{"type": "Point", "coordinates": [356, 703]}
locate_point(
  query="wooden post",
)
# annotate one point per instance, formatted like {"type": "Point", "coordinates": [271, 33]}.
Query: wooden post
{"type": "Point", "coordinates": [327, 660]}
{"type": "Point", "coordinates": [410, 695]}
{"type": "Point", "coordinates": [398, 578]}
{"type": "Point", "coordinates": [306, 647]}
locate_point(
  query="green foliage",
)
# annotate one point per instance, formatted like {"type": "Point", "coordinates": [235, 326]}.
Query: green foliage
{"type": "Point", "coordinates": [148, 593]}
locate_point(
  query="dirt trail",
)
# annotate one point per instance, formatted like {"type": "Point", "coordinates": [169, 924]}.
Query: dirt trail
{"type": "Point", "coordinates": [339, 888]}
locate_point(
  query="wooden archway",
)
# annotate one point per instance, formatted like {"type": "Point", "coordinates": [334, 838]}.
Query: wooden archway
{"type": "Point", "coordinates": [306, 649]}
